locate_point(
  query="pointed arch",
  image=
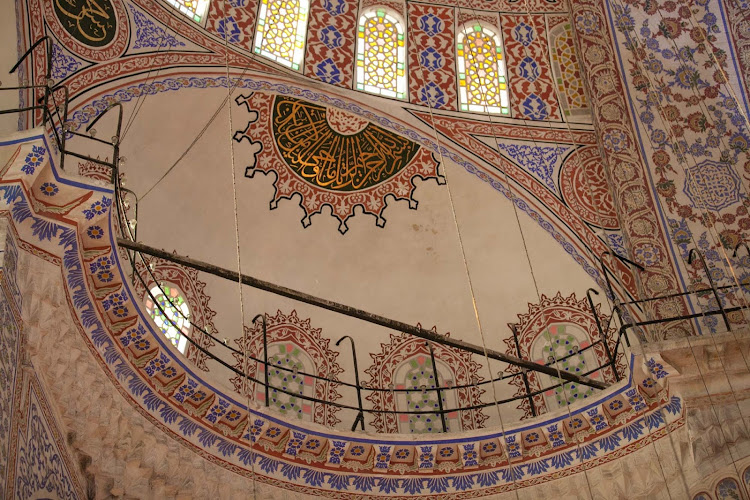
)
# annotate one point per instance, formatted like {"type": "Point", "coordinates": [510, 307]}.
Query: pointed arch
{"type": "Point", "coordinates": [482, 79]}
{"type": "Point", "coordinates": [381, 53]}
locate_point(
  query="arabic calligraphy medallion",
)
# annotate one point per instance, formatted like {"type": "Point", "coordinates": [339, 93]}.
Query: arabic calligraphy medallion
{"type": "Point", "coordinates": [96, 30]}
{"type": "Point", "coordinates": [333, 154]}
{"type": "Point", "coordinates": [330, 157]}
{"type": "Point", "coordinates": [91, 22]}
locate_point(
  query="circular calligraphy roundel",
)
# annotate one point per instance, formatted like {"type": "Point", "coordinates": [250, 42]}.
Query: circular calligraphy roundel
{"type": "Point", "coordinates": [584, 187]}
{"type": "Point", "coordinates": [94, 29]}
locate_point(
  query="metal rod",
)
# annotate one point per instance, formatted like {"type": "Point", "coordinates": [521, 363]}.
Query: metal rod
{"type": "Point", "coordinates": [524, 375]}
{"type": "Point", "coordinates": [360, 415]}
{"type": "Point", "coordinates": [691, 254]}
{"type": "Point", "coordinates": [601, 333]}
{"type": "Point", "coordinates": [89, 137]}
{"type": "Point", "coordinates": [437, 386]}
{"type": "Point", "coordinates": [356, 313]}
{"type": "Point", "coordinates": [31, 49]}
{"type": "Point", "coordinates": [88, 158]}
{"type": "Point", "coordinates": [672, 295]}
{"type": "Point", "coordinates": [626, 326]}
{"type": "Point", "coordinates": [265, 353]}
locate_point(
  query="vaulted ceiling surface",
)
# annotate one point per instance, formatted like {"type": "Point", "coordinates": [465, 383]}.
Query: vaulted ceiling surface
{"type": "Point", "coordinates": [411, 269]}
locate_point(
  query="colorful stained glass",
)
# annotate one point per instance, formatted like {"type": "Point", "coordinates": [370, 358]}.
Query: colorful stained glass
{"type": "Point", "coordinates": [567, 73]}
{"type": "Point", "coordinates": [287, 356]}
{"type": "Point", "coordinates": [194, 9]}
{"type": "Point", "coordinates": [482, 82]}
{"type": "Point", "coordinates": [281, 30]}
{"type": "Point", "coordinates": [172, 315]}
{"type": "Point", "coordinates": [420, 376]}
{"type": "Point", "coordinates": [559, 344]}
{"type": "Point", "coordinates": [381, 54]}
{"type": "Point", "coordinates": [728, 489]}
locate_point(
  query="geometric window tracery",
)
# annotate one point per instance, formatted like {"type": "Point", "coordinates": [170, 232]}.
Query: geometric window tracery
{"type": "Point", "coordinates": [567, 73]}
{"type": "Point", "coordinates": [381, 54]}
{"type": "Point", "coordinates": [482, 80]}
{"type": "Point", "coordinates": [417, 373]}
{"type": "Point", "coordinates": [404, 369]}
{"type": "Point", "coordinates": [559, 343]}
{"type": "Point", "coordinates": [281, 31]}
{"type": "Point", "coordinates": [172, 315]}
{"type": "Point", "coordinates": [301, 368]}
{"type": "Point", "coordinates": [291, 357]}
{"type": "Point", "coordinates": [194, 9]}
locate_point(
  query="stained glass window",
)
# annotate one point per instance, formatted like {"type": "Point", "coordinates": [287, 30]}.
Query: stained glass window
{"type": "Point", "coordinates": [194, 9]}
{"type": "Point", "coordinates": [483, 85]}
{"type": "Point", "coordinates": [280, 35]}
{"type": "Point", "coordinates": [567, 73]}
{"type": "Point", "coordinates": [417, 373]}
{"type": "Point", "coordinates": [172, 315]}
{"type": "Point", "coordinates": [381, 54]}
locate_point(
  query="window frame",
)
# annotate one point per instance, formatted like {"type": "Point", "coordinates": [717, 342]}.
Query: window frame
{"type": "Point", "coordinates": [184, 332]}
{"type": "Point", "coordinates": [300, 43]}
{"type": "Point", "coordinates": [500, 68]}
{"type": "Point", "coordinates": [360, 73]}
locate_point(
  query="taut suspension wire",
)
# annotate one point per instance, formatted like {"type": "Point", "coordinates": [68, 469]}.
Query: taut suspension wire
{"type": "Point", "coordinates": [246, 343]}
{"type": "Point", "coordinates": [140, 102]}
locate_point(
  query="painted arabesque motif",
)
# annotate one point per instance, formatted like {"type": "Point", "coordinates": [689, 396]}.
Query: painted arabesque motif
{"type": "Point", "coordinates": [330, 157]}
{"type": "Point", "coordinates": [172, 396]}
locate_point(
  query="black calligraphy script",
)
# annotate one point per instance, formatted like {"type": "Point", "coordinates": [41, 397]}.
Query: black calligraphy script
{"type": "Point", "coordinates": [91, 22]}
{"type": "Point", "coordinates": [330, 160]}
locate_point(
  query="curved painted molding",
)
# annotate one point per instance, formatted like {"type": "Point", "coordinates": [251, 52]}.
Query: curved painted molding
{"type": "Point", "coordinates": [68, 221]}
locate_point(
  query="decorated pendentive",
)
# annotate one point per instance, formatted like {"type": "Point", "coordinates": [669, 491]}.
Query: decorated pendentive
{"type": "Point", "coordinates": [331, 157]}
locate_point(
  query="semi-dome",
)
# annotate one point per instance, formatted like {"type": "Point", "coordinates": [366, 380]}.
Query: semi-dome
{"type": "Point", "coordinates": [355, 249]}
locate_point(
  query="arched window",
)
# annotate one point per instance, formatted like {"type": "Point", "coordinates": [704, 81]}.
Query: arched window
{"type": "Point", "coordinates": [381, 54]}
{"type": "Point", "coordinates": [563, 342]}
{"type": "Point", "coordinates": [483, 86]}
{"type": "Point", "coordinates": [728, 489]}
{"type": "Point", "coordinates": [567, 73]}
{"type": "Point", "coordinates": [171, 315]}
{"type": "Point", "coordinates": [288, 355]}
{"type": "Point", "coordinates": [417, 373]}
{"type": "Point", "coordinates": [194, 9]}
{"type": "Point", "coordinates": [280, 34]}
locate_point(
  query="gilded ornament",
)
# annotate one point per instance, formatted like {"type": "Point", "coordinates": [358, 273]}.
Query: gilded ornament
{"type": "Point", "coordinates": [321, 155]}
{"type": "Point", "coordinates": [91, 22]}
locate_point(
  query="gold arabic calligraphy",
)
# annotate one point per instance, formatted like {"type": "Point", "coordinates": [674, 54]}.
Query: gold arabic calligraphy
{"type": "Point", "coordinates": [333, 161]}
{"type": "Point", "coordinates": [91, 22]}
